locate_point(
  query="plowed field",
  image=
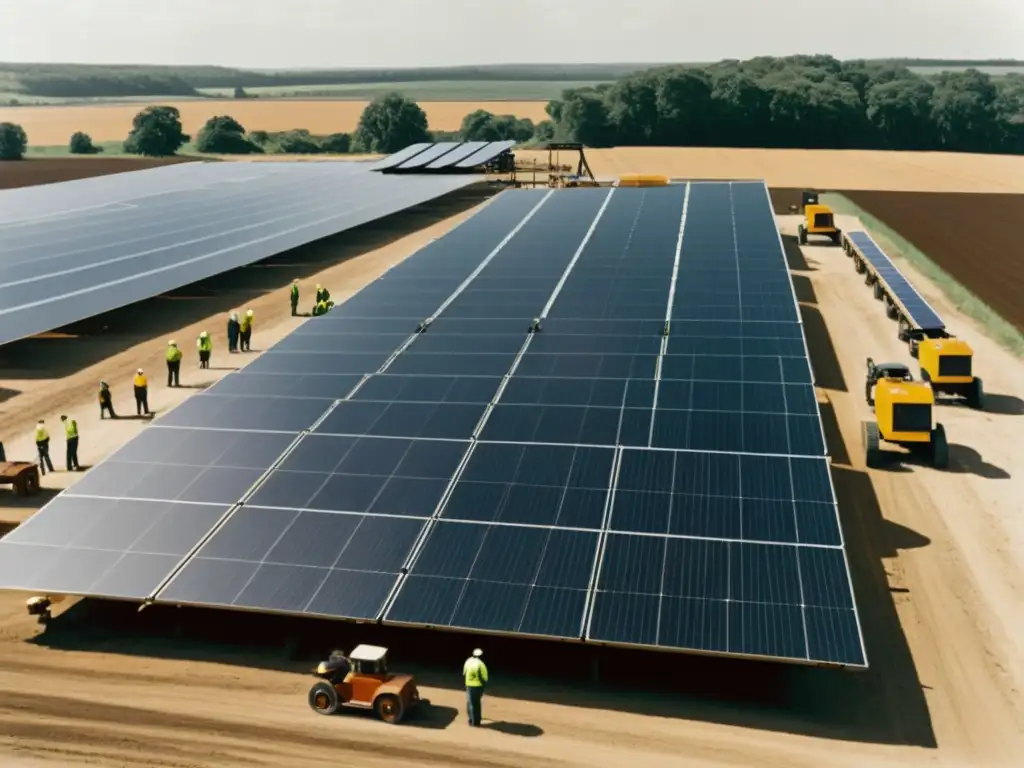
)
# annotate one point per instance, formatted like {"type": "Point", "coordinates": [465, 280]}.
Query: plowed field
{"type": "Point", "coordinates": [28, 173]}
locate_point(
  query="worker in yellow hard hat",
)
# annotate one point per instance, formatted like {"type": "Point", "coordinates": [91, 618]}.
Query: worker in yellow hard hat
{"type": "Point", "coordinates": [205, 346]}
{"type": "Point", "coordinates": [141, 393]}
{"type": "Point", "coordinates": [245, 330]}
{"type": "Point", "coordinates": [173, 363]}
{"type": "Point", "coordinates": [43, 447]}
{"type": "Point", "coordinates": [71, 435]}
{"type": "Point", "coordinates": [295, 297]}
{"type": "Point", "coordinates": [106, 401]}
{"type": "Point", "coordinates": [475, 673]}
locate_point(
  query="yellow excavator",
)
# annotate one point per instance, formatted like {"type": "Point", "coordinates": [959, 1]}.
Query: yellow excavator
{"type": "Point", "coordinates": [903, 416]}
{"type": "Point", "coordinates": [818, 219]}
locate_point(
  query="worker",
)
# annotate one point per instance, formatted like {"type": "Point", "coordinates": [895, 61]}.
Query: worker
{"type": "Point", "coordinates": [106, 401]}
{"type": "Point", "coordinates": [141, 393]}
{"type": "Point", "coordinates": [322, 308]}
{"type": "Point", "coordinates": [173, 363]}
{"type": "Point", "coordinates": [245, 330]}
{"type": "Point", "coordinates": [43, 447]}
{"type": "Point", "coordinates": [322, 294]}
{"type": "Point", "coordinates": [71, 433]}
{"type": "Point", "coordinates": [295, 297]}
{"type": "Point", "coordinates": [205, 346]}
{"type": "Point", "coordinates": [233, 331]}
{"type": "Point", "coordinates": [475, 672]}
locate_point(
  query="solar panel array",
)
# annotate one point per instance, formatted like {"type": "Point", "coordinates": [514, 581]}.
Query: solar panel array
{"type": "Point", "coordinates": [443, 156]}
{"type": "Point", "coordinates": [920, 311]}
{"type": "Point", "coordinates": [88, 247]}
{"type": "Point", "coordinates": [419, 457]}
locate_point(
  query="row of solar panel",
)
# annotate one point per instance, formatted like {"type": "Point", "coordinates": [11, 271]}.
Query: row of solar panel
{"type": "Point", "coordinates": [919, 310]}
{"type": "Point", "coordinates": [425, 156]}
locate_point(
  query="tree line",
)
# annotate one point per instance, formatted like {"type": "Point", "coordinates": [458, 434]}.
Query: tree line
{"type": "Point", "coordinates": [815, 102]}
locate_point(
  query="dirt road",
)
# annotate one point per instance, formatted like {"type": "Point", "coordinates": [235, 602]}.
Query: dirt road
{"type": "Point", "coordinates": [935, 559]}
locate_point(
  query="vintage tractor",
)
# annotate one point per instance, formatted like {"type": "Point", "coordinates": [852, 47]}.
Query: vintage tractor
{"type": "Point", "coordinates": [818, 219]}
{"type": "Point", "coordinates": [903, 413]}
{"type": "Point", "coordinates": [361, 680]}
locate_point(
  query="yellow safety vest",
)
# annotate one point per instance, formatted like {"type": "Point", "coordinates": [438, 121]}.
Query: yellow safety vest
{"type": "Point", "coordinates": [140, 381]}
{"type": "Point", "coordinates": [42, 434]}
{"type": "Point", "coordinates": [173, 354]}
{"type": "Point", "coordinates": [204, 345]}
{"type": "Point", "coordinates": [246, 323]}
{"type": "Point", "coordinates": [475, 671]}
{"type": "Point", "coordinates": [71, 428]}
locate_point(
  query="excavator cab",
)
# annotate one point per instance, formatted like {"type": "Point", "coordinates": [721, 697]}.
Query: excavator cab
{"type": "Point", "coordinates": [946, 364]}
{"type": "Point", "coordinates": [903, 416]}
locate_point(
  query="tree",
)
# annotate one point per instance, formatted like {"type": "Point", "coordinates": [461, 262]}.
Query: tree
{"type": "Point", "coordinates": [544, 131]}
{"type": "Point", "coordinates": [901, 112]}
{"type": "Point", "coordinates": [297, 142]}
{"type": "Point", "coordinates": [584, 118]}
{"type": "Point", "coordinates": [156, 132]}
{"type": "Point", "coordinates": [224, 135]}
{"type": "Point", "coordinates": [240, 92]}
{"type": "Point", "coordinates": [482, 125]}
{"type": "Point", "coordinates": [336, 143]}
{"type": "Point", "coordinates": [13, 141]}
{"type": "Point", "coordinates": [81, 144]}
{"type": "Point", "coordinates": [390, 123]}
{"type": "Point", "coordinates": [964, 111]}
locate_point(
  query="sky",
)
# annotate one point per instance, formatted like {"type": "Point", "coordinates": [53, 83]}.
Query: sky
{"type": "Point", "coordinates": [271, 34]}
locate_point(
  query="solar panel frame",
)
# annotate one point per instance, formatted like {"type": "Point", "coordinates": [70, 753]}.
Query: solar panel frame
{"type": "Point", "coordinates": [460, 153]}
{"type": "Point", "coordinates": [485, 155]}
{"type": "Point", "coordinates": [435, 152]}
{"type": "Point", "coordinates": [399, 157]}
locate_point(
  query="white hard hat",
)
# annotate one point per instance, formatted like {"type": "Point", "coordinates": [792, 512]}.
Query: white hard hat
{"type": "Point", "coordinates": [139, 371]}
{"type": "Point", "coordinates": [172, 343]}
{"type": "Point", "coordinates": [249, 313]}
{"type": "Point", "coordinates": [477, 652]}
{"type": "Point", "coordinates": [203, 335]}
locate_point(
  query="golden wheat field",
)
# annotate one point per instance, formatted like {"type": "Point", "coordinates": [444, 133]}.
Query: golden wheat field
{"type": "Point", "coordinates": [50, 125]}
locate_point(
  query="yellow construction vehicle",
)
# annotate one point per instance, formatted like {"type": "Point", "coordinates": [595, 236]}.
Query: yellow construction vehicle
{"type": "Point", "coordinates": [946, 363]}
{"type": "Point", "coordinates": [903, 416]}
{"type": "Point", "coordinates": [818, 219]}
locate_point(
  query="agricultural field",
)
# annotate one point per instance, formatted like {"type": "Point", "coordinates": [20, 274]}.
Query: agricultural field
{"type": "Point", "coordinates": [53, 125]}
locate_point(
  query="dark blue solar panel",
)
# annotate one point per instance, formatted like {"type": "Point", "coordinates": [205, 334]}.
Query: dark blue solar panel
{"type": "Point", "coordinates": [921, 312]}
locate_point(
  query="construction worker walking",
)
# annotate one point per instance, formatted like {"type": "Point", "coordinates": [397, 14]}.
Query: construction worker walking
{"type": "Point", "coordinates": [141, 393]}
{"type": "Point", "coordinates": [245, 330]}
{"type": "Point", "coordinates": [43, 447]}
{"type": "Point", "coordinates": [71, 433]}
{"type": "Point", "coordinates": [233, 332]}
{"type": "Point", "coordinates": [173, 363]}
{"type": "Point", "coordinates": [106, 401]}
{"type": "Point", "coordinates": [295, 297]}
{"type": "Point", "coordinates": [205, 346]}
{"type": "Point", "coordinates": [475, 672]}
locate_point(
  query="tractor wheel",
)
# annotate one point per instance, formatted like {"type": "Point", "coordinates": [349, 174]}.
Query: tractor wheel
{"type": "Point", "coordinates": [801, 235]}
{"type": "Point", "coordinates": [861, 267]}
{"type": "Point", "coordinates": [976, 395]}
{"type": "Point", "coordinates": [879, 293]}
{"type": "Point", "coordinates": [890, 310]}
{"type": "Point", "coordinates": [388, 707]}
{"type": "Point", "coordinates": [939, 448]}
{"type": "Point", "coordinates": [867, 393]}
{"type": "Point", "coordinates": [872, 451]}
{"type": "Point", "coordinates": [324, 699]}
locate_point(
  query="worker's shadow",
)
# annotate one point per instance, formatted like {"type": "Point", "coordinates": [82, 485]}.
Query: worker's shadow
{"type": "Point", "coordinates": [514, 729]}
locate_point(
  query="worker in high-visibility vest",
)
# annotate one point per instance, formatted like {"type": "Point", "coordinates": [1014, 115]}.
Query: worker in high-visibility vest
{"type": "Point", "coordinates": [173, 363]}
{"type": "Point", "coordinates": [43, 447]}
{"type": "Point", "coordinates": [322, 308]}
{"type": "Point", "coordinates": [295, 297]}
{"type": "Point", "coordinates": [106, 401]}
{"type": "Point", "coordinates": [71, 433]}
{"type": "Point", "coordinates": [322, 294]}
{"type": "Point", "coordinates": [233, 331]}
{"type": "Point", "coordinates": [205, 346]}
{"type": "Point", "coordinates": [475, 672]}
{"type": "Point", "coordinates": [141, 393]}
{"type": "Point", "coordinates": [245, 330]}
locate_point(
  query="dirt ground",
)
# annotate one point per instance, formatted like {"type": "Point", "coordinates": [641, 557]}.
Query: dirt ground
{"type": "Point", "coordinates": [50, 125]}
{"type": "Point", "coordinates": [823, 169]}
{"type": "Point", "coordinates": [935, 557]}
{"type": "Point", "coordinates": [970, 237]}
{"type": "Point", "coordinates": [33, 171]}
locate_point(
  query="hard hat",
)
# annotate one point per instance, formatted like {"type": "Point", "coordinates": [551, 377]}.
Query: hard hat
{"type": "Point", "coordinates": [477, 652]}
{"type": "Point", "coordinates": [203, 335]}
{"type": "Point", "coordinates": [295, 280]}
{"type": "Point", "coordinates": [63, 417]}
{"type": "Point", "coordinates": [139, 371]}
{"type": "Point", "coordinates": [249, 313]}
{"type": "Point", "coordinates": [172, 343]}
{"type": "Point", "coordinates": [318, 286]}
{"type": "Point", "coordinates": [40, 421]}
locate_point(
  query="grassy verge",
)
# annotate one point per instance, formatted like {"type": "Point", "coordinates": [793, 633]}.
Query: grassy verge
{"type": "Point", "coordinates": [963, 299]}
{"type": "Point", "coordinates": [110, 149]}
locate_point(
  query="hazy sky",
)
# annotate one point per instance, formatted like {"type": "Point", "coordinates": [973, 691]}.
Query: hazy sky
{"type": "Point", "coordinates": [341, 33]}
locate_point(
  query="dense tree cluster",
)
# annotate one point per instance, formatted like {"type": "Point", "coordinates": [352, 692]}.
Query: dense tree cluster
{"type": "Point", "coordinates": [81, 144]}
{"type": "Point", "coordinates": [105, 86]}
{"type": "Point", "coordinates": [481, 125]}
{"type": "Point", "coordinates": [225, 136]}
{"type": "Point", "coordinates": [156, 132]}
{"type": "Point", "coordinates": [390, 123]}
{"type": "Point", "coordinates": [13, 141]}
{"type": "Point", "coordinates": [799, 101]}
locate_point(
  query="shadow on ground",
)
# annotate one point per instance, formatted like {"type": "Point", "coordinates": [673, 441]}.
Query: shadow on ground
{"type": "Point", "coordinates": [963, 458]}
{"type": "Point", "coordinates": [60, 353]}
{"type": "Point", "coordinates": [1003, 405]}
{"type": "Point", "coordinates": [514, 729]}
{"type": "Point", "coordinates": [795, 258]}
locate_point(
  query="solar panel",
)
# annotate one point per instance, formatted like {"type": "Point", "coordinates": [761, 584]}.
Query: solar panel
{"type": "Point", "coordinates": [461, 153]}
{"type": "Point", "coordinates": [486, 154]}
{"type": "Point", "coordinates": [435, 152]}
{"type": "Point", "coordinates": [396, 159]}
{"type": "Point", "coordinates": [59, 267]}
{"type": "Point", "coordinates": [920, 311]}
{"type": "Point", "coordinates": [596, 480]}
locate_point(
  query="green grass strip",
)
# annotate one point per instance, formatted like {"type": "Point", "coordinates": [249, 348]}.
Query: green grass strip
{"type": "Point", "coordinates": [898, 247]}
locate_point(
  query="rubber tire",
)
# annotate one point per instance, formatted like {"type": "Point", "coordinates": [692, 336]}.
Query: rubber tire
{"type": "Point", "coordinates": [890, 310]}
{"type": "Point", "coordinates": [388, 708]}
{"type": "Point", "coordinates": [925, 376]}
{"type": "Point", "coordinates": [872, 451]}
{"type": "Point", "coordinates": [801, 235]}
{"type": "Point", "coordinates": [912, 348]}
{"type": "Point", "coordinates": [860, 266]}
{"type": "Point", "coordinates": [903, 334]}
{"type": "Point", "coordinates": [879, 292]}
{"type": "Point", "coordinates": [322, 689]}
{"type": "Point", "coordinates": [867, 394]}
{"type": "Point", "coordinates": [976, 395]}
{"type": "Point", "coordinates": [939, 448]}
